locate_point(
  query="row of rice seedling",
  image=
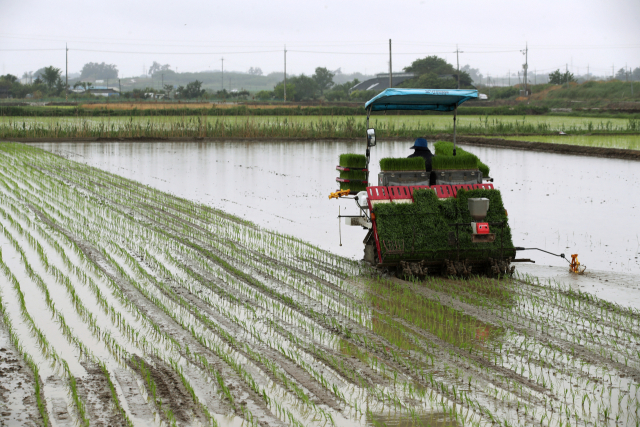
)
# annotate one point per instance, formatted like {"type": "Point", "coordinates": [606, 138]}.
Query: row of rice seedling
{"type": "Point", "coordinates": [283, 332]}
{"type": "Point", "coordinates": [83, 310]}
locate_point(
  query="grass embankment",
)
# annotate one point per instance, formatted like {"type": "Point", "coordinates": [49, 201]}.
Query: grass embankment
{"type": "Point", "coordinates": [606, 96]}
{"type": "Point", "coordinates": [304, 127]}
{"type": "Point", "coordinates": [232, 319]}
{"type": "Point", "coordinates": [625, 142]}
{"type": "Point", "coordinates": [211, 109]}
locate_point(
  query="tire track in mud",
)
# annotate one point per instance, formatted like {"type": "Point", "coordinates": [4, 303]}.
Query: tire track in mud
{"type": "Point", "coordinates": [94, 391]}
{"type": "Point", "coordinates": [17, 390]}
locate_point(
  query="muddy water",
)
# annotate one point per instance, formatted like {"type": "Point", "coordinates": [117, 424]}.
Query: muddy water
{"type": "Point", "coordinates": [562, 204]}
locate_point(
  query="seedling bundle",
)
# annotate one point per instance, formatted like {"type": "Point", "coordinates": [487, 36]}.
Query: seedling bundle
{"type": "Point", "coordinates": [402, 164]}
{"type": "Point", "coordinates": [444, 159]}
{"type": "Point", "coordinates": [423, 228]}
{"type": "Point", "coordinates": [357, 161]}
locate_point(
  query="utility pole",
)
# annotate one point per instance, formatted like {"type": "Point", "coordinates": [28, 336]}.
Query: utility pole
{"type": "Point", "coordinates": [509, 77]}
{"type": "Point", "coordinates": [390, 68]}
{"type": "Point", "coordinates": [525, 52]}
{"type": "Point", "coordinates": [588, 77]}
{"type": "Point", "coordinates": [458, 51]}
{"type": "Point", "coordinates": [162, 88]}
{"type": "Point", "coordinates": [285, 73]}
{"type": "Point", "coordinates": [566, 73]}
{"type": "Point", "coordinates": [119, 87]}
{"type": "Point", "coordinates": [535, 76]}
{"type": "Point", "coordinates": [222, 61]}
{"type": "Point", "coordinates": [66, 73]}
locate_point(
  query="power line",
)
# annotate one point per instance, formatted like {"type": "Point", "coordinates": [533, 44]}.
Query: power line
{"type": "Point", "coordinates": [174, 53]}
{"type": "Point", "coordinates": [26, 50]}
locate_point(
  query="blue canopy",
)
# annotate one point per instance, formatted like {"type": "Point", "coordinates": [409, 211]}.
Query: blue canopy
{"type": "Point", "coordinates": [420, 99]}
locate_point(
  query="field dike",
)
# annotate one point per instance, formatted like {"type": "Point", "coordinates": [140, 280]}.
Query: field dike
{"type": "Point", "coordinates": [122, 305]}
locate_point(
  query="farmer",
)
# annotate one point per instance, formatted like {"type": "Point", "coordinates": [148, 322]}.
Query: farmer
{"type": "Point", "coordinates": [422, 150]}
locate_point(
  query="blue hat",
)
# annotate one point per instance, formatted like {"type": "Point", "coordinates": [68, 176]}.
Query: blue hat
{"type": "Point", "coordinates": [420, 143]}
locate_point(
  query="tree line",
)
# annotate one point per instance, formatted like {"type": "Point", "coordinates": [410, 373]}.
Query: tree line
{"type": "Point", "coordinates": [430, 72]}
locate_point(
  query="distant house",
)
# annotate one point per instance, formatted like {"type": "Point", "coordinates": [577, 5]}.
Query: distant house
{"type": "Point", "coordinates": [381, 81]}
{"type": "Point", "coordinates": [98, 91]}
{"type": "Point", "coordinates": [5, 92]}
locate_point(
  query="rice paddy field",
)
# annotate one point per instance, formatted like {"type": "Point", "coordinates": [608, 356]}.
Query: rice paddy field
{"type": "Point", "coordinates": [303, 126]}
{"type": "Point", "coordinates": [124, 305]}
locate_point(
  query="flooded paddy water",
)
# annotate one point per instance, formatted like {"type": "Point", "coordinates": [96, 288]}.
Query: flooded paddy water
{"type": "Point", "coordinates": [562, 204]}
{"type": "Point", "coordinates": [168, 311]}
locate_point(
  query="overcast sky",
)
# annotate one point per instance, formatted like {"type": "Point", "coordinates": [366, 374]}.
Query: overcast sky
{"type": "Point", "coordinates": [193, 35]}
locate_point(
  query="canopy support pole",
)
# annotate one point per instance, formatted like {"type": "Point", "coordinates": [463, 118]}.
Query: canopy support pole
{"type": "Point", "coordinates": [368, 151]}
{"type": "Point", "coordinates": [455, 115]}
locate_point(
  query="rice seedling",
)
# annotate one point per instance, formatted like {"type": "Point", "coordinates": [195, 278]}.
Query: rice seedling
{"type": "Point", "coordinates": [261, 325]}
{"type": "Point", "coordinates": [351, 160]}
{"type": "Point", "coordinates": [444, 159]}
{"type": "Point", "coordinates": [301, 127]}
{"type": "Point", "coordinates": [402, 164]}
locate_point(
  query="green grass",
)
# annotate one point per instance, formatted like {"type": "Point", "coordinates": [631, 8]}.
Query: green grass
{"type": "Point", "coordinates": [402, 164]}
